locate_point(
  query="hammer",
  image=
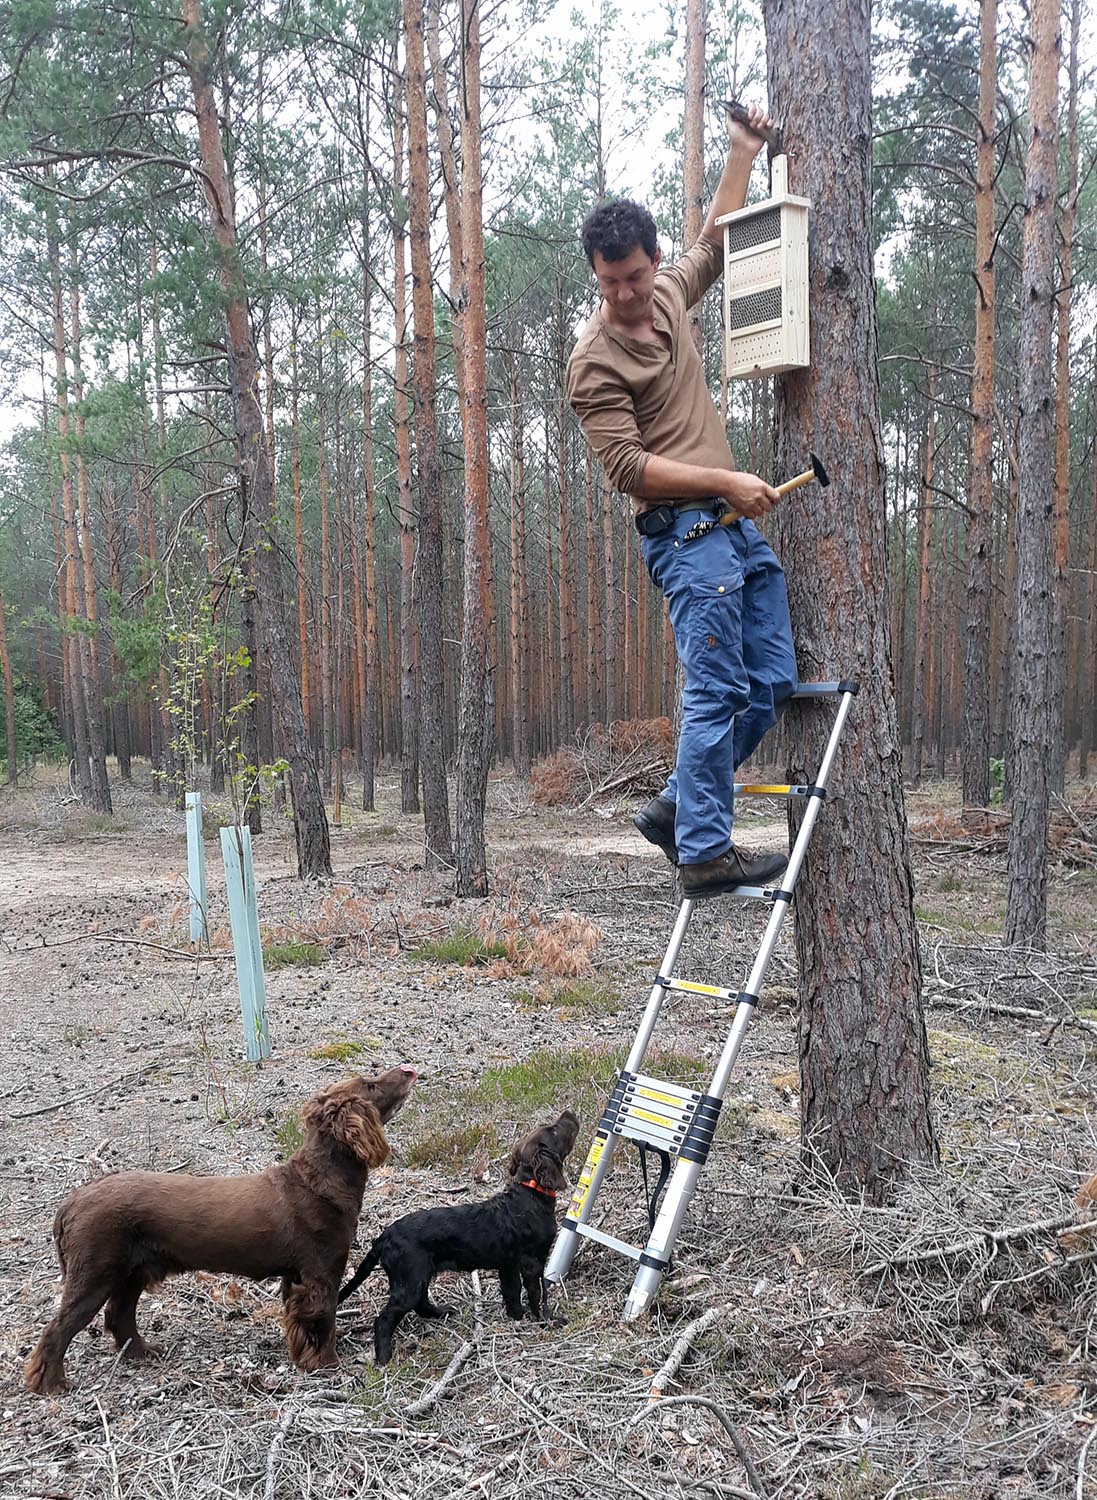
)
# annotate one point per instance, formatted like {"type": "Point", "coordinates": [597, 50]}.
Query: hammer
{"type": "Point", "coordinates": [772, 137]}
{"type": "Point", "coordinates": [815, 472]}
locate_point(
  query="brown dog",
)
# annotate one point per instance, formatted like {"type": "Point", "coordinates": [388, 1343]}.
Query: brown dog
{"type": "Point", "coordinates": [120, 1235]}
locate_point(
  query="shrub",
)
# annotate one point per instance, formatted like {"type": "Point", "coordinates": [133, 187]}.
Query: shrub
{"type": "Point", "coordinates": [630, 755]}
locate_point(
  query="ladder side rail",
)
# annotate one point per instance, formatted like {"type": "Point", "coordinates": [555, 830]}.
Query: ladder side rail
{"type": "Point", "coordinates": [601, 1149]}
{"type": "Point", "coordinates": [658, 991]}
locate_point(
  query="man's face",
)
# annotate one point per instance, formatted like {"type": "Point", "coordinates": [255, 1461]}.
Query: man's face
{"type": "Point", "coordinates": [628, 286]}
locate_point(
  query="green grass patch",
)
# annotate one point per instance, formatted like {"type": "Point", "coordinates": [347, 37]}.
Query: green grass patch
{"type": "Point", "coordinates": [453, 1147]}
{"type": "Point", "coordinates": [461, 946]}
{"type": "Point", "coordinates": [576, 1079]}
{"type": "Point", "coordinates": [582, 997]}
{"type": "Point", "coordinates": [951, 921]}
{"type": "Point", "coordinates": [287, 955]}
{"type": "Point", "coordinates": [290, 1134]}
{"type": "Point", "coordinates": [338, 1051]}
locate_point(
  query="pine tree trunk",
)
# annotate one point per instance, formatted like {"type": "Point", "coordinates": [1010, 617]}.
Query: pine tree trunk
{"type": "Point", "coordinates": [299, 536]}
{"type": "Point", "coordinates": [9, 700]}
{"type": "Point", "coordinates": [1087, 674]}
{"type": "Point", "coordinates": [975, 745]}
{"type": "Point", "coordinates": [430, 581]}
{"type": "Point", "coordinates": [475, 708]}
{"type": "Point", "coordinates": [1033, 709]}
{"type": "Point", "coordinates": [519, 631]}
{"type": "Point", "coordinates": [864, 1061]}
{"type": "Point", "coordinates": [409, 638]}
{"type": "Point", "coordinates": [1062, 578]}
{"type": "Point", "coordinates": [69, 581]}
{"type": "Point", "coordinates": [309, 818]}
{"type": "Point", "coordinates": [369, 643]}
{"type": "Point", "coordinates": [97, 753]}
{"type": "Point", "coordinates": [693, 132]}
{"type": "Point", "coordinates": [923, 669]}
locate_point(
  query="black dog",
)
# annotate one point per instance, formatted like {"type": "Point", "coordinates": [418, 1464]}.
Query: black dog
{"type": "Point", "coordinates": [511, 1233]}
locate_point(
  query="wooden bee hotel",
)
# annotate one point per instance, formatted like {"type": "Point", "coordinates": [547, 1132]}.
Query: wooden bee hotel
{"type": "Point", "coordinates": [766, 282]}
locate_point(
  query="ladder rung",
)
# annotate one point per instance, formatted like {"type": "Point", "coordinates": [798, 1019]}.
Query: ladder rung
{"type": "Point", "coordinates": [687, 987]}
{"type": "Point", "coordinates": [753, 893]}
{"type": "Point", "coordinates": [650, 1134]}
{"type": "Point", "coordinates": [655, 1088]}
{"type": "Point", "coordinates": [750, 789]}
{"type": "Point", "coordinates": [589, 1232]}
{"type": "Point", "coordinates": [826, 689]}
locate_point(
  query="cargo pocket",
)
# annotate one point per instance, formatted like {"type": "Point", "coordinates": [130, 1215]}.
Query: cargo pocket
{"type": "Point", "coordinates": [714, 651]}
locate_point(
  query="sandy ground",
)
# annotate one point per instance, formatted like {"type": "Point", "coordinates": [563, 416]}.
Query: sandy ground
{"type": "Point", "coordinates": [119, 1054]}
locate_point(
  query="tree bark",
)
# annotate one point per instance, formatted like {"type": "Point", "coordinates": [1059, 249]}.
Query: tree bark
{"type": "Point", "coordinates": [309, 818]}
{"type": "Point", "coordinates": [69, 582]}
{"type": "Point", "coordinates": [975, 741]}
{"type": "Point", "coordinates": [97, 753]}
{"type": "Point", "coordinates": [475, 709]}
{"type": "Point", "coordinates": [9, 699]}
{"type": "Point", "coordinates": [693, 132]}
{"type": "Point", "coordinates": [1033, 708]}
{"type": "Point", "coordinates": [922, 687]}
{"type": "Point", "coordinates": [1062, 580]}
{"type": "Point", "coordinates": [864, 1061]}
{"type": "Point", "coordinates": [436, 823]}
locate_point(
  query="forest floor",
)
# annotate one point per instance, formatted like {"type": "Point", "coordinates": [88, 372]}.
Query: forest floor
{"type": "Point", "coordinates": [848, 1367]}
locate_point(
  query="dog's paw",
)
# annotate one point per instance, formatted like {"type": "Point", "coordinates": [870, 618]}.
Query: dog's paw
{"type": "Point", "coordinates": [138, 1349]}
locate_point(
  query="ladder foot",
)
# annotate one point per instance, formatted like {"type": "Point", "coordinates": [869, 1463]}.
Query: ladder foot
{"type": "Point", "coordinates": [637, 1305]}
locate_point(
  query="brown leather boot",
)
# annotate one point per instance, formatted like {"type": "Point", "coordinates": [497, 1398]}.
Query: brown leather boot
{"type": "Point", "coordinates": [717, 877]}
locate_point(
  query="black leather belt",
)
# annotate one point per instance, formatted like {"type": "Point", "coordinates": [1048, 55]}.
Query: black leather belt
{"type": "Point", "coordinates": [655, 522]}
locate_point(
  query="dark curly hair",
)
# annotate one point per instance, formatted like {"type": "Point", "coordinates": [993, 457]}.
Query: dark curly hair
{"type": "Point", "coordinates": [613, 230]}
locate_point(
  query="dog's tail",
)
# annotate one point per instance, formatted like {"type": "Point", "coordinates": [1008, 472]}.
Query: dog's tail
{"type": "Point", "coordinates": [372, 1257]}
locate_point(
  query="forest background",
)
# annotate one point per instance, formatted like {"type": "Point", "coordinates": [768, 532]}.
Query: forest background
{"type": "Point", "coordinates": [140, 573]}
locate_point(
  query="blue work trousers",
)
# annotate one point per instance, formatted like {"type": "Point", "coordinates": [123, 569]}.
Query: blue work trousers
{"type": "Point", "coordinates": [729, 612]}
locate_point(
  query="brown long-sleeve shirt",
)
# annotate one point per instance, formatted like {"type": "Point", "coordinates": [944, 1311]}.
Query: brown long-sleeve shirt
{"type": "Point", "coordinates": [634, 398]}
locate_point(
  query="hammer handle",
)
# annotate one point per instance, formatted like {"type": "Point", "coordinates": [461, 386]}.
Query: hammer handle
{"type": "Point", "coordinates": [738, 113]}
{"type": "Point", "coordinates": [794, 484]}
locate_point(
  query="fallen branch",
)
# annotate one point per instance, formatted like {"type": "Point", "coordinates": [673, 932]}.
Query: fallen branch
{"type": "Point", "coordinates": [433, 1393]}
{"type": "Point", "coordinates": [756, 1485]}
{"type": "Point", "coordinates": [986, 1239]}
{"type": "Point", "coordinates": [285, 1422]}
{"type": "Point", "coordinates": [692, 1331]}
{"type": "Point", "coordinates": [1018, 1012]}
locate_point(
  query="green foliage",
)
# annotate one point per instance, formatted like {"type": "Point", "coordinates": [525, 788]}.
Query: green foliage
{"type": "Point", "coordinates": [461, 946]}
{"type": "Point", "coordinates": [35, 732]}
{"type": "Point", "coordinates": [997, 782]}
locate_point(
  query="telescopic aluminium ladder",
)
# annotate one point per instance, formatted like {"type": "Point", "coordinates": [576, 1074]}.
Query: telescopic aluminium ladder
{"type": "Point", "coordinates": [679, 1123]}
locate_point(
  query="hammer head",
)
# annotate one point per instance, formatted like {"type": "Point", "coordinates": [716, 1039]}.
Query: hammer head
{"type": "Point", "coordinates": [820, 473]}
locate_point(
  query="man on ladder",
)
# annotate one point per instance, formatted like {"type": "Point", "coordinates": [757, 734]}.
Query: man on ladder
{"type": "Point", "coordinates": [636, 383]}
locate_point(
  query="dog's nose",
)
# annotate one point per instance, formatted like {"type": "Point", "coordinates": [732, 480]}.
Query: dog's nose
{"type": "Point", "coordinates": [407, 1068]}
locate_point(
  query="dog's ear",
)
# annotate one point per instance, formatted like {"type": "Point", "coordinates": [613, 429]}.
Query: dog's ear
{"type": "Point", "coordinates": [350, 1120]}
{"type": "Point", "coordinates": [547, 1172]}
{"type": "Point", "coordinates": [357, 1126]}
